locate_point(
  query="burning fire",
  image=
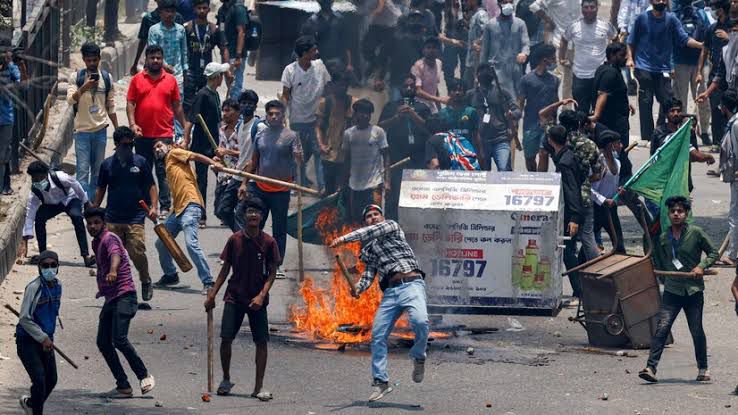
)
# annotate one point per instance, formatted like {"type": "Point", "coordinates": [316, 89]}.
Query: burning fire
{"type": "Point", "coordinates": [326, 312]}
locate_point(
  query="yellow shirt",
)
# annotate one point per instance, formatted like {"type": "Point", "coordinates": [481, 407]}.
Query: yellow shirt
{"type": "Point", "coordinates": [181, 179]}
{"type": "Point", "coordinates": [92, 109]}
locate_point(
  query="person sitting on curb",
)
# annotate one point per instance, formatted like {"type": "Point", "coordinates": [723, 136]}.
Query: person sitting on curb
{"type": "Point", "coordinates": [52, 193]}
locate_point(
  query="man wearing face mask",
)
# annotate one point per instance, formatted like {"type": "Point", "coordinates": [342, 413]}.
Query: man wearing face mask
{"type": "Point", "coordinates": [54, 192]}
{"type": "Point", "coordinates": [590, 36]}
{"type": "Point", "coordinates": [505, 46]}
{"type": "Point", "coordinates": [656, 33]}
{"type": "Point", "coordinates": [404, 122]}
{"type": "Point", "coordinates": [34, 333]}
{"type": "Point", "coordinates": [127, 178]}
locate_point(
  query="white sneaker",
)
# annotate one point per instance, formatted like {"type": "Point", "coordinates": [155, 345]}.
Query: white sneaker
{"type": "Point", "coordinates": [25, 403]}
{"type": "Point", "coordinates": [147, 384]}
{"type": "Point", "coordinates": [379, 389]}
{"type": "Point", "coordinates": [280, 274]}
{"type": "Point", "coordinates": [418, 370]}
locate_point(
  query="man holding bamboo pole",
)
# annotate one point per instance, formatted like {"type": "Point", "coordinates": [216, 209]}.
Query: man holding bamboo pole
{"type": "Point", "coordinates": [385, 252]}
{"type": "Point", "coordinates": [277, 155]}
{"type": "Point", "coordinates": [254, 257]}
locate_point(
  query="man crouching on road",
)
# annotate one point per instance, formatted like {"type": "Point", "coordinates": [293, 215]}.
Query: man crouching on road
{"type": "Point", "coordinates": [386, 252]}
{"type": "Point", "coordinates": [254, 257]}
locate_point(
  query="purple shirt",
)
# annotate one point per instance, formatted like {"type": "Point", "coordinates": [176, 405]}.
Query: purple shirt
{"type": "Point", "coordinates": [105, 246]}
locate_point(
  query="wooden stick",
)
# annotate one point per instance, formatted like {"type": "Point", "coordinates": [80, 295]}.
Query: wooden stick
{"type": "Point", "coordinates": [346, 275]}
{"type": "Point", "coordinates": [269, 180]}
{"type": "Point", "coordinates": [210, 350]}
{"type": "Point", "coordinates": [630, 147]}
{"type": "Point", "coordinates": [724, 245]}
{"type": "Point", "coordinates": [56, 349]}
{"type": "Point", "coordinates": [33, 154]}
{"type": "Point", "coordinates": [204, 126]}
{"type": "Point", "coordinates": [300, 263]}
{"type": "Point", "coordinates": [677, 274]}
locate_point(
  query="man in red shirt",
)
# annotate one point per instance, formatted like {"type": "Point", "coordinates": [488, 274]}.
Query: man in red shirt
{"type": "Point", "coordinates": [153, 102]}
{"type": "Point", "coordinates": [254, 256]}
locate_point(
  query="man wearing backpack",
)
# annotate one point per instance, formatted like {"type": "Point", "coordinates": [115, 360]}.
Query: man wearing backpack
{"type": "Point", "coordinates": [729, 166]}
{"type": "Point", "coordinates": [54, 192]}
{"type": "Point", "coordinates": [92, 96]}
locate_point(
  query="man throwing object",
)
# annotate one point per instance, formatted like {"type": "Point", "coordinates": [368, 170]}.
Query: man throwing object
{"type": "Point", "coordinates": [386, 252]}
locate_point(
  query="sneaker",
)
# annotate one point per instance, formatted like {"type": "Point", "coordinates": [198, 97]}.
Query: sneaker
{"type": "Point", "coordinates": [118, 393]}
{"type": "Point", "coordinates": [89, 261]}
{"type": "Point", "coordinates": [648, 374]}
{"type": "Point", "coordinates": [147, 384]}
{"type": "Point", "coordinates": [379, 389]}
{"type": "Point", "coordinates": [172, 279]}
{"type": "Point", "coordinates": [25, 403]}
{"type": "Point", "coordinates": [163, 214]}
{"type": "Point", "coordinates": [703, 375]}
{"type": "Point", "coordinates": [206, 288]}
{"type": "Point", "coordinates": [418, 370]}
{"type": "Point", "coordinates": [280, 274]}
{"type": "Point", "coordinates": [147, 292]}
{"type": "Point", "coordinates": [203, 224]}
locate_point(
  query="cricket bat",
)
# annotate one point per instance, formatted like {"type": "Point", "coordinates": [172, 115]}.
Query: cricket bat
{"type": "Point", "coordinates": [169, 243]}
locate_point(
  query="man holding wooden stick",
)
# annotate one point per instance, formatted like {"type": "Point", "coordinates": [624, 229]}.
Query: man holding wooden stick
{"type": "Point", "coordinates": [254, 257]}
{"type": "Point", "coordinates": [188, 207]}
{"type": "Point", "coordinates": [277, 155]}
{"type": "Point", "coordinates": [207, 105]}
{"type": "Point", "coordinates": [34, 334]}
{"type": "Point", "coordinates": [386, 252]}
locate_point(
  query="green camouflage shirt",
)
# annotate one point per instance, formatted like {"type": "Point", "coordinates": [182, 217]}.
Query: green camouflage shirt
{"type": "Point", "coordinates": [587, 156]}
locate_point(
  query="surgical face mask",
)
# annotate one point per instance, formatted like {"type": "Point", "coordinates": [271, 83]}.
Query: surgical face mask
{"type": "Point", "coordinates": [485, 79]}
{"type": "Point", "coordinates": [507, 9]}
{"type": "Point", "coordinates": [551, 66]}
{"type": "Point", "coordinates": [248, 111]}
{"type": "Point", "coordinates": [41, 185]}
{"type": "Point", "coordinates": [49, 274]}
{"type": "Point", "coordinates": [659, 7]}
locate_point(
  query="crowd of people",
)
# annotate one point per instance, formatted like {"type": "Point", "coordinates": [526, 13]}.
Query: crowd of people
{"type": "Point", "coordinates": [557, 66]}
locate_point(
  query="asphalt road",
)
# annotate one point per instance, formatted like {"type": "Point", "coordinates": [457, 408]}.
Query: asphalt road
{"type": "Point", "coordinates": [534, 371]}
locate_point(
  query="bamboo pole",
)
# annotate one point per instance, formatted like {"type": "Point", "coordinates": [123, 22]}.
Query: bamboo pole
{"type": "Point", "coordinates": [300, 262]}
{"type": "Point", "coordinates": [210, 350]}
{"type": "Point", "coordinates": [268, 180]}
{"type": "Point", "coordinates": [56, 349]}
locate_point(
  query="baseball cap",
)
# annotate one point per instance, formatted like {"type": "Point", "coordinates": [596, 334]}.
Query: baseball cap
{"type": "Point", "coordinates": [214, 68]}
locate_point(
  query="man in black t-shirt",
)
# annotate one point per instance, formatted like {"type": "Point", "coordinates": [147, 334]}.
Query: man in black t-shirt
{"type": "Point", "coordinates": [202, 38]}
{"type": "Point", "coordinates": [404, 123]}
{"type": "Point", "coordinates": [206, 104]}
{"type": "Point", "coordinates": [127, 178]}
{"type": "Point", "coordinates": [612, 107]}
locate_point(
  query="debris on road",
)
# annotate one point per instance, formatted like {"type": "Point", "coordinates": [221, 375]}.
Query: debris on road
{"type": "Point", "coordinates": [163, 337]}
{"type": "Point", "coordinates": [488, 404]}
{"type": "Point", "coordinates": [604, 397]}
{"type": "Point", "coordinates": [514, 325]}
{"type": "Point", "coordinates": [159, 404]}
{"type": "Point", "coordinates": [4, 357]}
{"type": "Point", "coordinates": [150, 331]}
{"type": "Point", "coordinates": [470, 351]}
{"type": "Point", "coordinates": [206, 397]}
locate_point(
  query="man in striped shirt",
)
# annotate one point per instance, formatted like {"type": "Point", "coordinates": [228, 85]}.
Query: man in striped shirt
{"type": "Point", "coordinates": [386, 252]}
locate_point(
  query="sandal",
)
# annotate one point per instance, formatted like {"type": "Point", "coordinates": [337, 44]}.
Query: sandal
{"type": "Point", "coordinates": [8, 192]}
{"type": "Point", "coordinates": [724, 262]}
{"type": "Point", "coordinates": [225, 387]}
{"type": "Point", "coordinates": [263, 396]}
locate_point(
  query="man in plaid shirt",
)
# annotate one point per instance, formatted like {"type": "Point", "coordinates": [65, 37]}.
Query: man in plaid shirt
{"type": "Point", "coordinates": [386, 252]}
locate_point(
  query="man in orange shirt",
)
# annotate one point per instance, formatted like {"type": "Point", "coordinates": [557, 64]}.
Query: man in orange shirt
{"type": "Point", "coordinates": [277, 153]}
{"type": "Point", "coordinates": [188, 208]}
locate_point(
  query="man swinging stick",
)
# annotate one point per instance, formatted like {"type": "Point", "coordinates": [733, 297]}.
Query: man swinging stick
{"type": "Point", "coordinates": [386, 252]}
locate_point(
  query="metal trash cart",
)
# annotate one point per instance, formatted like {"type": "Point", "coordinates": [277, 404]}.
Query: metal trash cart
{"type": "Point", "coordinates": [621, 297]}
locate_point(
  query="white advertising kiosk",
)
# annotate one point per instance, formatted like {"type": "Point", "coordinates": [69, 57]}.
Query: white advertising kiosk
{"type": "Point", "coordinates": [489, 243]}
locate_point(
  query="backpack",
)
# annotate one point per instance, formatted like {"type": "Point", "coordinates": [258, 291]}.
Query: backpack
{"type": "Point", "coordinates": [57, 182]}
{"type": "Point", "coordinates": [727, 165]}
{"type": "Point", "coordinates": [255, 127]}
{"type": "Point", "coordinates": [82, 75]}
{"type": "Point", "coordinates": [253, 33]}
{"type": "Point", "coordinates": [460, 152]}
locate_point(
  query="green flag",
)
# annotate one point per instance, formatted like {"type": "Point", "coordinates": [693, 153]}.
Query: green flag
{"type": "Point", "coordinates": [666, 173]}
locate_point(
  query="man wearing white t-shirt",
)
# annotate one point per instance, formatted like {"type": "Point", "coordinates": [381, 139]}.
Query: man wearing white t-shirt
{"type": "Point", "coordinates": [303, 82]}
{"type": "Point", "coordinates": [590, 36]}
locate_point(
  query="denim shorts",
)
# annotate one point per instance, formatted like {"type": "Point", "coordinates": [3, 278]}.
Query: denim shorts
{"type": "Point", "coordinates": [233, 315]}
{"type": "Point", "coordinates": [532, 141]}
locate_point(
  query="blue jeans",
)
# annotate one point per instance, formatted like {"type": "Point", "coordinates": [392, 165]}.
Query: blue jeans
{"type": "Point", "coordinates": [189, 222]}
{"type": "Point", "coordinates": [237, 85]}
{"type": "Point", "coordinates": [278, 203]}
{"type": "Point", "coordinates": [408, 297]}
{"type": "Point", "coordinates": [90, 149]}
{"type": "Point", "coordinates": [310, 148]}
{"type": "Point", "coordinates": [499, 152]}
